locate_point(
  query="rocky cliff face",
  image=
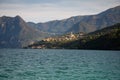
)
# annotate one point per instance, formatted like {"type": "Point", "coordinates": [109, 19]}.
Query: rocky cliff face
{"type": "Point", "coordinates": [15, 33]}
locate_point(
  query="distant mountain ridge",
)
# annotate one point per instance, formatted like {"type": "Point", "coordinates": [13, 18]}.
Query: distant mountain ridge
{"type": "Point", "coordinates": [76, 24]}
{"type": "Point", "coordinates": [99, 21]}
{"type": "Point", "coordinates": [15, 33]}
{"type": "Point", "coordinates": [57, 26]}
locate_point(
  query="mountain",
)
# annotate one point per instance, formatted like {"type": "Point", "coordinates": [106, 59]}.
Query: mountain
{"type": "Point", "coordinates": [86, 24]}
{"type": "Point", "coordinates": [99, 21]}
{"type": "Point", "coordinates": [57, 26]}
{"type": "Point", "coordinates": [104, 39]}
{"type": "Point", "coordinates": [15, 32]}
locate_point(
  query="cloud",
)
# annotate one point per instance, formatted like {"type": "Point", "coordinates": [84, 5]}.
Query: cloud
{"type": "Point", "coordinates": [36, 12]}
{"type": "Point", "coordinates": [45, 10]}
{"type": "Point", "coordinates": [28, 1]}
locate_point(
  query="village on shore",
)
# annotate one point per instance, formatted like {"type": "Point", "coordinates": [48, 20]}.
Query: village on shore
{"type": "Point", "coordinates": [64, 38]}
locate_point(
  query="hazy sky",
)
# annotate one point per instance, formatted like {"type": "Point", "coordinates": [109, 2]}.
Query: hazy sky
{"type": "Point", "coordinates": [46, 10]}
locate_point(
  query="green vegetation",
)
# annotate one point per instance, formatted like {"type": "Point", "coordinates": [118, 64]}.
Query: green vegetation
{"type": "Point", "coordinates": [104, 39]}
{"type": "Point", "coordinates": [16, 33]}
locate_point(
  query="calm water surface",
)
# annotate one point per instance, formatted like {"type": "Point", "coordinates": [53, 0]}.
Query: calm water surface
{"type": "Point", "coordinates": [34, 64]}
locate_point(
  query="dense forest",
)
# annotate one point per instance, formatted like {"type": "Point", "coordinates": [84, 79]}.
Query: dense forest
{"type": "Point", "coordinates": [104, 39]}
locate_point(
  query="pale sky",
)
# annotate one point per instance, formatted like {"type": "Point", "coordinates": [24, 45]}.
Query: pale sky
{"type": "Point", "coordinates": [46, 10]}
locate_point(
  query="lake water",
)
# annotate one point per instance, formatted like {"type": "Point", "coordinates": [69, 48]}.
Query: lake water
{"type": "Point", "coordinates": [35, 64]}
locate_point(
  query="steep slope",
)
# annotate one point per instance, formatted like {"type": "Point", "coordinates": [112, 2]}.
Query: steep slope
{"type": "Point", "coordinates": [99, 21]}
{"type": "Point", "coordinates": [104, 39]}
{"type": "Point", "coordinates": [76, 24]}
{"type": "Point", "coordinates": [15, 33]}
{"type": "Point", "coordinates": [82, 27]}
{"type": "Point", "coordinates": [57, 26]}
